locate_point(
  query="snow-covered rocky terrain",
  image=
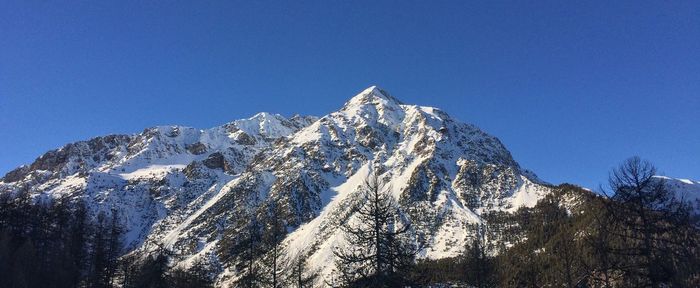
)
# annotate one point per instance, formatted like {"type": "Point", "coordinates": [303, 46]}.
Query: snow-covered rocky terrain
{"type": "Point", "coordinates": [685, 190]}
{"type": "Point", "coordinates": [186, 189]}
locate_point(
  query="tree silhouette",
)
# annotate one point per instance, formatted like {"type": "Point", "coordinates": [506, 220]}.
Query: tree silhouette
{"type": "Point", "coordinates": [379, 252]}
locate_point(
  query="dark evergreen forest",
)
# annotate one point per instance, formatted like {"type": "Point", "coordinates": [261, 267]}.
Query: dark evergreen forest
{"type": "Point", "coordinates": [635, 234]}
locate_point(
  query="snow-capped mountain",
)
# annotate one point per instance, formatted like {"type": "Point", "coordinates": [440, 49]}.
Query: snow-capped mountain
{"type": "Point", "coordinates": [188, 189]}
{"type": "Point", "coordinates": [685, 190]}
{"type": "Point", "coordinates": [153, 175]}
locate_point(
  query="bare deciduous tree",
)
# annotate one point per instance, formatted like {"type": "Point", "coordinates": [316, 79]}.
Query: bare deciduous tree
{"type": "Point", "coordinates": [378, 250]}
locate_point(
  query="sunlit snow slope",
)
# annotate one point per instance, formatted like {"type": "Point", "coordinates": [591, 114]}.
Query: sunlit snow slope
{"type": "Point", "coordinates": [190, 190]}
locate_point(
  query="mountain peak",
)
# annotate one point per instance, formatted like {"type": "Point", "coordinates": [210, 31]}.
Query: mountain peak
{"type": "Point", "coordinates": [372, 95]}
{"type": "Point", "coordinates": [265, 124]}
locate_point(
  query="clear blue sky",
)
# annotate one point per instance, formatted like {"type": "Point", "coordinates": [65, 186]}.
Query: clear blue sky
{"type": "Point", "coordinates": [571, 89]}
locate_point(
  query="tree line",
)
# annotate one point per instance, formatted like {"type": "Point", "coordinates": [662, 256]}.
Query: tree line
{"type": "Point", "coordinates": [636, 234]}
{"type": "Point", "coordinates": [54, 243]}
{"type": "Point", "coordinates": [57, 243]}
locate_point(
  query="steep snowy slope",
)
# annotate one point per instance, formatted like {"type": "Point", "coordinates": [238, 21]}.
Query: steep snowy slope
{"type": "Point", "coordinates": [190, 190]}
{"type": "Point", "coordinates": [152, 176]}
{"type": "Point", "coordinates": [444, 173]}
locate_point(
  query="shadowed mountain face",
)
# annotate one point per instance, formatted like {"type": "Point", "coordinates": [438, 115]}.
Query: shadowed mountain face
{"type": "Point", "coordinates": [192, 190]}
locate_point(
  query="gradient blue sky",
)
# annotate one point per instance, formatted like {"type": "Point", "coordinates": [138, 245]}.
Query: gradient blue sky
{"type": "Point", "coordinates": [571, 88]}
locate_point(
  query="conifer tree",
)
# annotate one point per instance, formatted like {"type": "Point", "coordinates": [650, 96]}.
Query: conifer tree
{"type": "Point", "coordinates": [478, 264]}
{"type": "Point", "coordinates": [653, 228]}
{"type": "Point", "coordinates": [247, 245]}
{"type": "Point", "coordinates": [379, 252]}
{"type": "Point", "coordinates": [274, 232]}
{"type": "Point", "coordinates": [300, 277]}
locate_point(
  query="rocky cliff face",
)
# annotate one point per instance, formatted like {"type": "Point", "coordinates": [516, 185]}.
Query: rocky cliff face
{"type": "Point", "coordinates": [189, 189]}
{"type": "Point", "coordinates": [153, 176]}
